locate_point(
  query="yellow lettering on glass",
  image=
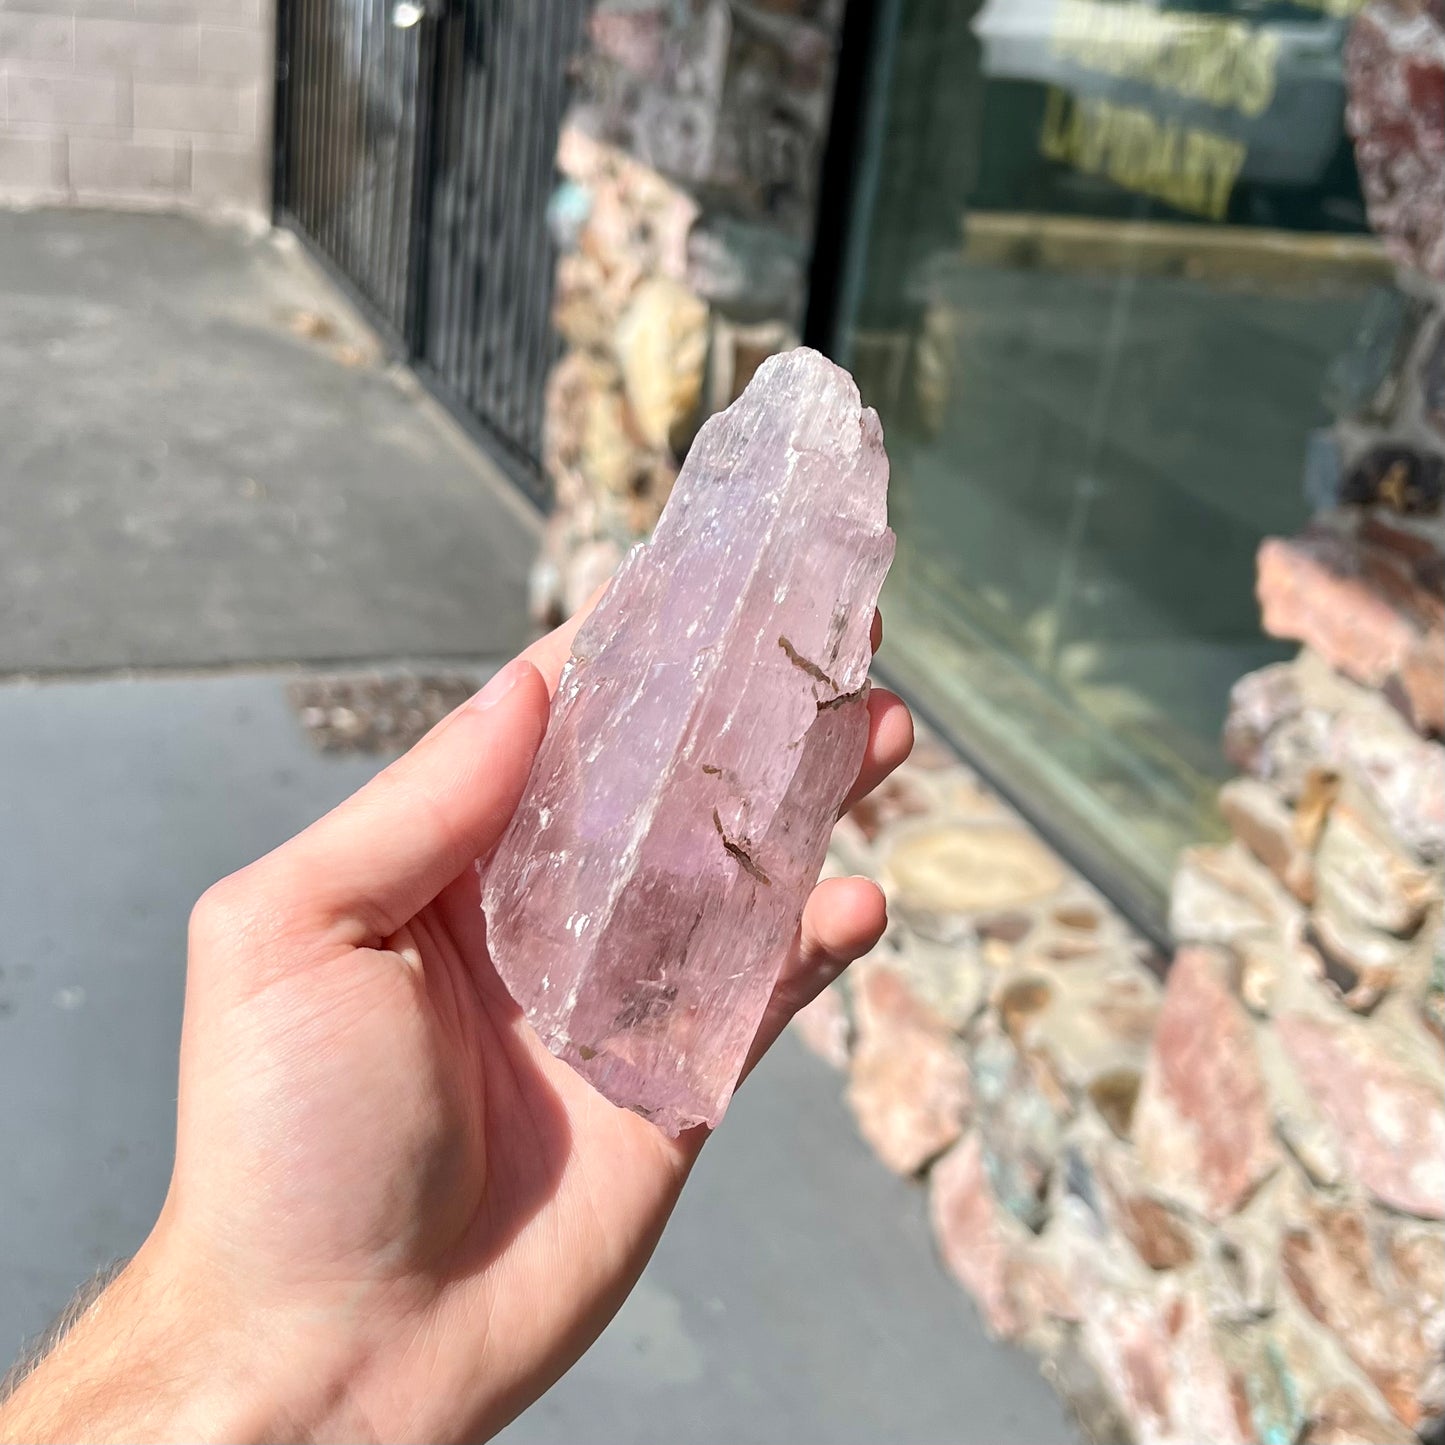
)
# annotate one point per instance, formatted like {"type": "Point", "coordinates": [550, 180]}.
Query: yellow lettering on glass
{"type": "Point", "coordinates": [1190, 168]}
{"type": "Point", "coordinates": [1224, 62]}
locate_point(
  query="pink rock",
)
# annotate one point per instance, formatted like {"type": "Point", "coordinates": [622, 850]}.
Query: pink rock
{"type": "Point", "coordinates": [705, 732]}
{"type": "Point", "coordinates": [1403, 775]}
{"type": "Point", "coordinates": [1395, 72]}
{"type": "Point", "coordinates": [1344, 1416]}
{"type": "Point", "coordinates": [1157, 1353]}
{"type": "Point", "coordinates": [1318, 588]}
{"type": "Point", "coordinates": [1390, 1119]}
{"type": "Point", "coordinates": [1260, 704]}
{"type": "Point", "coordinates": [1017, 1121]}
{"type": "Point", "coordinates": [1375, 1282]}
{"type": "Point", "coordinates": [635, 39]}
{"type": "Point", "coordinates": [1264, 823]}
{"type": "Point", "coordinates": [909, 1084]}
{"type": "Point", "coordinates": [1420, 684]}
{"type": "Point", "coordinates": [1203, 1123]}
{"type": "Point", "coordinates": [976, 1235]}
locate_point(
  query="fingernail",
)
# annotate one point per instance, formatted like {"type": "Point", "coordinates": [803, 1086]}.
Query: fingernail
{"type": "Point", "coordinates": [500, 684]}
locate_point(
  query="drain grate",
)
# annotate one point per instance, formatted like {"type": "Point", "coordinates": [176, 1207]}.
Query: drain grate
{"type": "Point", "coordinates": [375, 712]}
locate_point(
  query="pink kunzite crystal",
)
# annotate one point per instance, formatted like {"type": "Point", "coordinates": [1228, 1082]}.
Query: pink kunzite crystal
{"type": "Point", "coordinates": [706, 730]}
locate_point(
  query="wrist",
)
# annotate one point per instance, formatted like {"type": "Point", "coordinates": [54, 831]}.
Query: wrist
{"type": "Point", "coordinates": [163, 1355]}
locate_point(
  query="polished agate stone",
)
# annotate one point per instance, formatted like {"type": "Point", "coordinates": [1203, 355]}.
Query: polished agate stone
{"type": "Point", "coordinates": [705, 732]}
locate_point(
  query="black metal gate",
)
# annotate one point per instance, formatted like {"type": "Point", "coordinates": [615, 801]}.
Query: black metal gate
{"type": "Point", "coordinates": [415, 146]}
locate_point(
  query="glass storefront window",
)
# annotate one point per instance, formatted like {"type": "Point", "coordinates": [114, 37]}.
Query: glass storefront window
{"type": "Point", "coordinates": [1110, 253]}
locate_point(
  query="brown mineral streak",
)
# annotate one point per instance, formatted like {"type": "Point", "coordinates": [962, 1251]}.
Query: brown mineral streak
{"type": "Point", "coordinates": [740, 853]}
{"type": "Point", "coordinates": [798, 660]}
{"type": "Point", "coordinates": [843, 698]}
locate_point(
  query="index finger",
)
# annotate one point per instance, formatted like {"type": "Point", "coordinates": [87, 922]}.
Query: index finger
{"type": "Point", "coordinates": [549, 654]}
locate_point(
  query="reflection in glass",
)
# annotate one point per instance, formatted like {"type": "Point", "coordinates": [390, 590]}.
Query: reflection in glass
{"type": "Point", "coordinates": [1114, 250]}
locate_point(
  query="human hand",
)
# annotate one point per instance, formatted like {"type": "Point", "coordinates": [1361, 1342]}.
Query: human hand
{"type": "Point", "coordinates": [393, 1215]}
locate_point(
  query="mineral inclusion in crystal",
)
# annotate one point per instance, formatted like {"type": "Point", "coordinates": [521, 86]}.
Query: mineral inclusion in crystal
{"type": "Point", "coordinates": [705, 732]}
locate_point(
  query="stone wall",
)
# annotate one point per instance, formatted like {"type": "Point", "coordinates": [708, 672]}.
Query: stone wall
{"type": "Point", "coordinates": [137, 102]}
{"type": "Point", "coordinates": [1214, 1204]}
{"type": "Point", "coordinates": [689, 164]}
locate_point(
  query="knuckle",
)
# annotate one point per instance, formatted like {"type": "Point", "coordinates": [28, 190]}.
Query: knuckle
{"type": "Point", "coordinates": [224, 910]}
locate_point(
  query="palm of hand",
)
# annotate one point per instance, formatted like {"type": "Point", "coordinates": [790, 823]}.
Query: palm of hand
{"type": "Point", "coordinates": [435, 1173]}
{"type": "Point", "coordinates": [375, 1153]}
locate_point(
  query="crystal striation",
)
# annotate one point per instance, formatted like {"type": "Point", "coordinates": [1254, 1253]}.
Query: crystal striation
{"type": "Point", "coordinates": [705, 732]}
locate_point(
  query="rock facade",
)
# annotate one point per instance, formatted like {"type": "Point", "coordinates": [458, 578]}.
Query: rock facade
{"type": "Point", "coordinates": [688, 185]}
{"type": "Point", "coordinates": [1209, 1189]}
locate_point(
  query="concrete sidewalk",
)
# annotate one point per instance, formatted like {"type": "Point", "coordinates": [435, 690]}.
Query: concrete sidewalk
{"type": "Point", "coordinates": [795, 1297]}
{"type": "Point", "coordinates": [203, 461]}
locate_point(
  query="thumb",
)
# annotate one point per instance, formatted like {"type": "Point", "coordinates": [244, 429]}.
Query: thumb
{"type": "Point", "coordinates": [371, 864]}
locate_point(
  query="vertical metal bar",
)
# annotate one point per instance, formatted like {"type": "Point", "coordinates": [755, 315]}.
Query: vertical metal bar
{"type": "Point", "coordinates": [313, 116]}
{"type": "Point", "coordinates": [481, 79]}
{"type": "Point", "coordinates": [528, 227]}
{"type": "Point", "coordinates": [535, 327]}
{"type": "Point", "coordinates": [397, 88]}
{"type": "Point", "coordinates": [443, 180]}
{"type": "Point", "coordinates": [296, 93]}
{"type": "Point", "coordinates": [556, 42]}
{"type": "Point", "coordinates": [325, 180]}
{"type": "Point", "coordinates": [301, 128]}
{"type": "Point", "coordinates": [345, 29]}
{"type": "Point", "coordinates": [358, 211]}
{"type": "Point", "coordinates": [509, 277]}
{"type": "Point", "coordinates": [422, 115]}
{"type": "Point", "coordinates": [520, 370]}
{"type": "Point", "coordinates": [338, 182]}
{"type": "Point", "coordinates": [493, 279]}
{"type": "Point", "coordinates": [400, 86]}
{"type": "Point", "coordinates": [467, 40]}
{"type": "Point", "coordinates": [440, 179]}
{"type": "Point", "coordinates": [497, 193]}
{"type": "Point", "coordinates": [375, 150]}
{"type": "Point", "coordinates": [281, 109]}
{"type": "Point", "coordinates": [319, 179]}
{"type": "Point", "coordinates": [528, 224]}
{"type": "Point", "coordinates": [343, 18]}
{"type": "Point", "coordinates": [476, 56]}
{"type": "Point", "coordinates": [522, 108]}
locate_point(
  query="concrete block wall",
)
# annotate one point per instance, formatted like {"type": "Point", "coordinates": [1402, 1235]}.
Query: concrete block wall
{"type": "Point", "coordinates": [137, 102]}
